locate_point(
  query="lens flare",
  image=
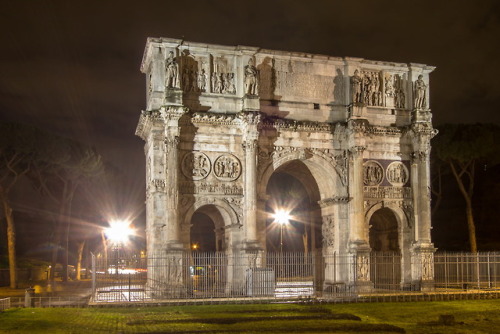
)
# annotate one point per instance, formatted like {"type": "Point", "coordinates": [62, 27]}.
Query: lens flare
{"type": "Point", "coordinates": [282, 217]}
{"type": "Point", "coordinates": [119, 231]}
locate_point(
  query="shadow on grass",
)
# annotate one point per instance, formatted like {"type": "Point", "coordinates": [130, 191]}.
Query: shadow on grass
{"type": "Point", "coordinates": [326, 321]}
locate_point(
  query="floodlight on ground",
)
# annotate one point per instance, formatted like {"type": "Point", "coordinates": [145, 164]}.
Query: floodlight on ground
{"type": "Point", "coordinates": [118, 231]}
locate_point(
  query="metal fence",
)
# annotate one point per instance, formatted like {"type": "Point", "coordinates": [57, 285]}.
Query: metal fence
{"type": "Point", "coordinates": [467, 271]}
{"type": "Point", "coordinates": [4, 304]}
{"type": "Point", "coordinates": [193, 275]}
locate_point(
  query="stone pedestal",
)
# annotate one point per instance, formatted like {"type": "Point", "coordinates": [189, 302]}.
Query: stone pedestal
{"type": "Point", "coordinates": [419, 115]}
{"type": "Point", "coordinates": [423, 267]}
{"type": "Point", "coordinates": [170, 275]}
{"type": "Point", "coordinates": [173, 97]}
{"type": "Point", "coordinates": [251, 103]}
{"type": "Point", "coordinates": [360, 257]}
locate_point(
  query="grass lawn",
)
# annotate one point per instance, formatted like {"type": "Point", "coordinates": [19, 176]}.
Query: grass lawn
{"type": "Point", "coordinates": [474, 316]}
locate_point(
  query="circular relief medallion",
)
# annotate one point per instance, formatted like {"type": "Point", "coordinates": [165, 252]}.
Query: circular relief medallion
{"type": "Point", "coordinates": [196, 166]}
{"type": "Point", "coordinates": [397, 173]}
{"type": "Point", "coordinates": [373, 173]}
{"type": "Point", "coordinates": [227, 167]}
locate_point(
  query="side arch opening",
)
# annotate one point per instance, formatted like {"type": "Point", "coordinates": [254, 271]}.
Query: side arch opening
{"type": "Point", "coordinates": [385, 262]}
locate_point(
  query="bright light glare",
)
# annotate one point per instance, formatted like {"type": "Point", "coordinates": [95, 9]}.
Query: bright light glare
{"type": "Point", "coordinates": [118, 231]}
{"type": "Point", "coordinates": [282, 217]}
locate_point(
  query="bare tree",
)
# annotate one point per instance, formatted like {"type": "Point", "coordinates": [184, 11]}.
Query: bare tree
{"type": "Point", "coordinates": [67, 167]}
{"type": "Point", "coordinates": [18, 151]}
{"type": "Point", "coordinates": [462, 147]}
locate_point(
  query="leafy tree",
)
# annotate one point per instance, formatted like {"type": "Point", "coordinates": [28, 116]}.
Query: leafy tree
{"type": "Point", "coordinates": [464, 147]}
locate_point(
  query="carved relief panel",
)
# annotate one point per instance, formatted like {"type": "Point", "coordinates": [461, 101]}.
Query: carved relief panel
{"type": "Point", "coordinates": [328, 231]}
{"type": "Point", "coordinates": [194, 77]}
{"type": "Point", "coordinates": [371, 88]}
{"type": "Point", "coordinates": [211, 172]}
{"type": "Point", "coordinates": [222, 77]}
{"type": "Point", "coordinates": [373, 173]}
{"type": "Point", "coordinates": [196, 166]}
{"type": "Point", "coordinates": [227, 167]}
{"type": "Point", "coordinates": [397, 174]}
{"type": "Point", "coordinates": [394, 90]}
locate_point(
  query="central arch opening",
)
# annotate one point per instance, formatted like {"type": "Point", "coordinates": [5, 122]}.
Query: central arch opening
{"type": "Point", "coordinates": [293, 190]}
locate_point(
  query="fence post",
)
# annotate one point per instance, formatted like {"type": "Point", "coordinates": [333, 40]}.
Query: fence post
{"type": "Point", "coordinates": [93, 275]}
{"type": "Point", "coordinates": [488, 269]}
{"type": "Point", "coordinates": [478, 272]}
{"type": "Point", "coordinates": [29, 297]}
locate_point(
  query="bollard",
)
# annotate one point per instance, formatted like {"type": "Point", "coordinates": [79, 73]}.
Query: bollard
{"type": "Point", "coordinates": [29, 297]}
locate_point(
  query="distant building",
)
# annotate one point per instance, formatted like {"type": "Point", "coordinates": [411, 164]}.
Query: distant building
{"type": "Point", "coordinates": [220, 121]}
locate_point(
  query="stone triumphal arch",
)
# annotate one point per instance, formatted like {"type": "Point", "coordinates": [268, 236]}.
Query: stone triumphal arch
{"type": "Point", "coordinates": [220, 121]}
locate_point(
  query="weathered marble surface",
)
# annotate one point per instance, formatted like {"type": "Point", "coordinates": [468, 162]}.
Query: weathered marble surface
{"type": "Point", "coordinates": [219, 120]}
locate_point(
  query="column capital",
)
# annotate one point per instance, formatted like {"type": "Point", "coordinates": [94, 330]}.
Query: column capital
{"type": "Point", "coordinates": [357, 151]}
{"type": "Point", "coordinates": [419, 156]}
{"type": "Point", "coordinates": [172, 141]}
{"type": "Point", "coordinates": [173, 113]}
{"type": "Point", "coordinates": [249, 145]}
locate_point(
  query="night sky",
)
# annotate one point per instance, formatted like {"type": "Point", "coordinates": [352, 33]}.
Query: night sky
{"type": "Point", "coordinates": [72, 67]}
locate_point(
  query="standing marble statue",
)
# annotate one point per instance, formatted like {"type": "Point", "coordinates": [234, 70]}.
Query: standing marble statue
{"type": "Point", "coordinates": [202, 80]}
{"type": "Point", "coordinates": [420, 87]}
{"type": "Point", "coordinates": [356, 83]}
{"type": "Point", "coordinates": [172, 71]}
{"type": "Point", "coordinates": [250, 78]}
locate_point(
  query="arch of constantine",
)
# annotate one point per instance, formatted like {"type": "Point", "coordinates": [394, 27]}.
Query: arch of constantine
{"type": "Point", "coordinates": [223, 123]}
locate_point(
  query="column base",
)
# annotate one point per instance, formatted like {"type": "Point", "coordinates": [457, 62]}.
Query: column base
{"type": "Point", "coordinates": [174, 246]}
{"type": "Point", "coordinates": [362, 286]}
{"type": "Point", "coordinates": [252, 246]}
{"type": "Point", "coordinates": [427, 286]}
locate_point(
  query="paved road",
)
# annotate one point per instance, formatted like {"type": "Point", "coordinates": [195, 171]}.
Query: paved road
{"type": "Point", "coordinates": [45, 289]}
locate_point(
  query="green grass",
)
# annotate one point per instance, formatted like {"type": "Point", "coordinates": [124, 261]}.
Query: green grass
{"type": "Point", "coordinates": [476, 316]}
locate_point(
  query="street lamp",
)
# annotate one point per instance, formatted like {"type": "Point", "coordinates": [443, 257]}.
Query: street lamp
{"type": "Point", "coordinates": [282, 217]}
{"type": "Point", "coordinates": [118, 233]}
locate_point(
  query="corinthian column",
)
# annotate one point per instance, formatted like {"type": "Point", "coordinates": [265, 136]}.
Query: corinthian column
{"type": "Point", "coordinates": [251, 134]}
{"type": "Point", "coordinates": [172, 235]}
{"type": "Point", "coordinates": [250, 148]}
{"type": "Point", "coordinates": [423, 249]}
{"type": "Point", "coordinates": [357, 217]}
{"type": "Point", "coordinates": [421, 191]}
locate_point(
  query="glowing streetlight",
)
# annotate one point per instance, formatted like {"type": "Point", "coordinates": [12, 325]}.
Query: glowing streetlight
{"type": "Point", "coordinates": [118, 231]}
{"type": "Point", "coordinates": [282, 217]}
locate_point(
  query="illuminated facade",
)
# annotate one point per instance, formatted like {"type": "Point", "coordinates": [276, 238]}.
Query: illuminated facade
{"type": "Point", "coordinates": [220, 121]}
